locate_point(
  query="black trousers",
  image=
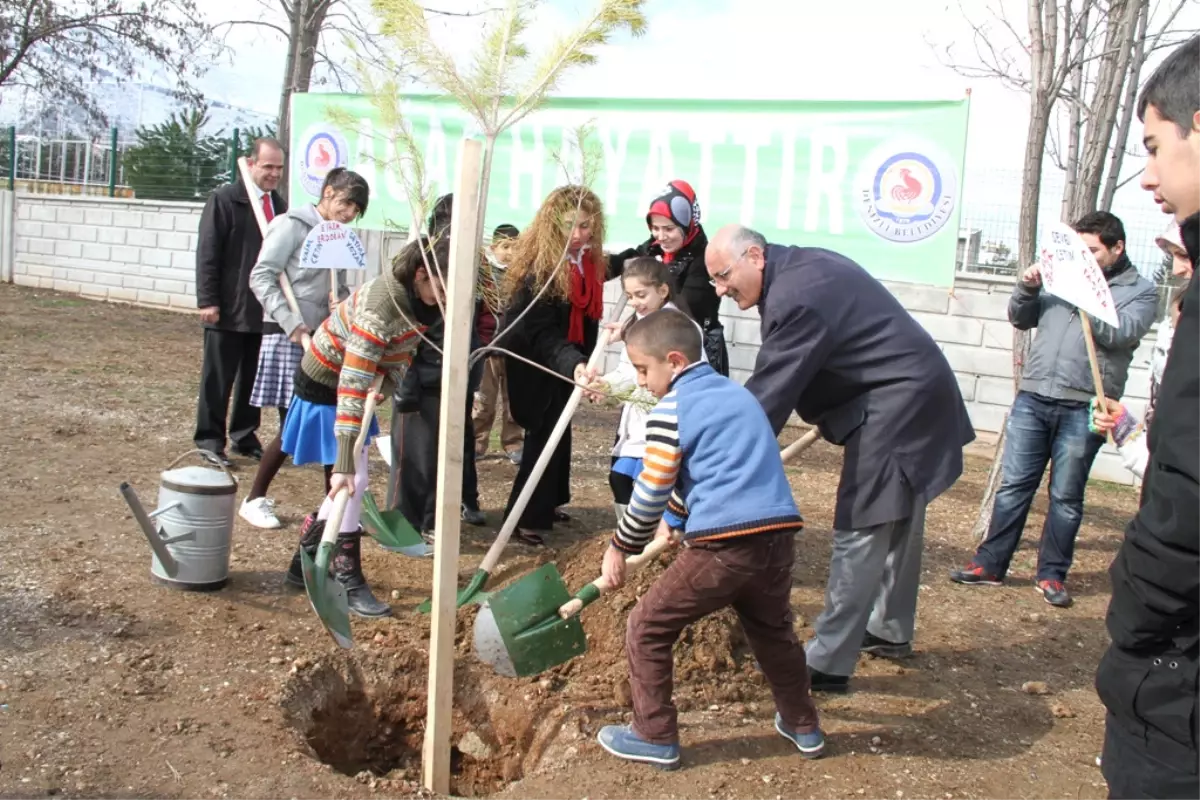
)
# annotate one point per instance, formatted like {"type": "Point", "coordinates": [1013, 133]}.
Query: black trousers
{"type": "Point", "coordinates": [554, 489]}
{"type": "Point", "coordinates": [413, 489]}
{"type": "Point", "coordinates": [227, 371]}
{"type": "Point", "coordinates": [1151, 731]}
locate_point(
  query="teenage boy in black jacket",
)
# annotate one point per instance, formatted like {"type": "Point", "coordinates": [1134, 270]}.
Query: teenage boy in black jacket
{"type": "Point", "coordinates": [1148, 677]}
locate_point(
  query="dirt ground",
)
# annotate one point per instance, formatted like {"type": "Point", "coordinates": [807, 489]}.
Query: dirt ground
{"type": "Point", "coordinates": [113, 686]}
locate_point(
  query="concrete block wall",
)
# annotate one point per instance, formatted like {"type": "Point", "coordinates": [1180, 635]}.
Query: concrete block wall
{"type": "Point", "coordinates": [144, 252]}
{"type": "Point", "coordinates": [122, 250]}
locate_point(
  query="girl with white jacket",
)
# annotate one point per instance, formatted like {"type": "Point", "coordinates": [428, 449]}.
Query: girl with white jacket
{"type": "Point", "coordinates": [1128, 432]}
{"type": "Point", "coordinates": [647, 287]}
{"type": "Point", "coordinates": [344, 197]}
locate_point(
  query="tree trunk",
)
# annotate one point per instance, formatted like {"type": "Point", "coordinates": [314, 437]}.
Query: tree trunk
{"type": "Point", "coordinates": [1043, 29]}
{"type": "Point", "coordinates": [306, 23]}
{"type": "Point", "coordinates": [1117, 153]}
{"type": "Point", "coordinates": [1075, 119]}
{"type": "Point", "coordinates": [1110, 82]}
{"type": "Point", "coordinates": [283, 127]}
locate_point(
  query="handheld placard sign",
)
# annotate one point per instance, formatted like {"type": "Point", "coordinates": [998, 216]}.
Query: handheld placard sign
{"type": "Point", "coordinates": [332, 246]}
{"type": "Point", "coordinates": [1069, 270]}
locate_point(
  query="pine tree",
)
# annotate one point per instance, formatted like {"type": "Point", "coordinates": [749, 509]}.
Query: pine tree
{"type": "Point", "coordinates": [175, 161]}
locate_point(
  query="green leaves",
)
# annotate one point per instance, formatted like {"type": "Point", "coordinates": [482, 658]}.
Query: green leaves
{"type": "Point", "coordinates": [175, 160]}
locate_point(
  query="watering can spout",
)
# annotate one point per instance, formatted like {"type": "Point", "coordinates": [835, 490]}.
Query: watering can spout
{"type": "Point", "coordinates": [153, 535]}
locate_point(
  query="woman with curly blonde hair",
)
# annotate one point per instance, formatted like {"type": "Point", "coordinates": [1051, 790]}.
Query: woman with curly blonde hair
{"type": "Point", "coordinates": [563, 251]}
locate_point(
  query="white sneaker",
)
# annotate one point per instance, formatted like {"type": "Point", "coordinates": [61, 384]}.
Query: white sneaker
{"type": "Point", "coordinates": [259, 512]}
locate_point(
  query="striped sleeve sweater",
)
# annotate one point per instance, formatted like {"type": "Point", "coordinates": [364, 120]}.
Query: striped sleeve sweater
{"type": "Point", "coordinates": [655, 484]}
{"type": "Point", "coordinates": [371, 332]}
{"type": "Point", "coordinates": [712, 459]}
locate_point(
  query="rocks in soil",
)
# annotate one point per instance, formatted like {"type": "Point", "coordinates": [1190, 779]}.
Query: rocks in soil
{"type": "Point", "coordinates": [471, 745]}
{"type": "Point", "coordinates": [1035, 687]}
{"type": "Point", "coordinates": [1061, 710]}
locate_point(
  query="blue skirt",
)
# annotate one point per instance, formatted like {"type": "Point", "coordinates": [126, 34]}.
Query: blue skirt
{"type": "Point", "coordinates": [308, 432]}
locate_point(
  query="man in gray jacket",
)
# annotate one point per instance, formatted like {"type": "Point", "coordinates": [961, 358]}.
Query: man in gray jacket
{"type": "Point", "coordinates": [1049, 418]}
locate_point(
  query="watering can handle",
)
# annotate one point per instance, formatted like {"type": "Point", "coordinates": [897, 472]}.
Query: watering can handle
{"type": "Point", "coordinates": [205, 454]}
{"type": "Point", "coordinates": [599, 587]}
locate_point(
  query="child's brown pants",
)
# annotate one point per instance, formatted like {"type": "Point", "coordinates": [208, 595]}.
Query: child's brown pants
{"type": "Point", "coordinates": [753, 574]}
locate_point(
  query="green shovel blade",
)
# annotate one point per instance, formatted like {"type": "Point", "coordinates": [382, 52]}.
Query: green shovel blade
{"type": "Point", "coordinates": [471, 593]}
{"type": "Point", "coordinates": [327, 597]}
{"type": "Point", "coordinates": [518, 630]}
{"type": "Point", "coordinates": [393, 531]}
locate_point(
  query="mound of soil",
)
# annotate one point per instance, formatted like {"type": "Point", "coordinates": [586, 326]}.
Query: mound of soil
{"type": "Point", "coordinates": [362, 712]}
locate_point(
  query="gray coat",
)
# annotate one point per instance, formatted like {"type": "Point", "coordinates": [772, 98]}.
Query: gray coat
{"type": "Point", "coordinates": [842, 352]}
{"type": "Point", "coordinates": [281, 253]}
{"type": "Point", "coordinates": [1058, 366]}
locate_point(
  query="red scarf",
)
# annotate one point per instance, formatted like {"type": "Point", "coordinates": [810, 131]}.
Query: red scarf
{"type": "Point", "coordinates": [587, 297]}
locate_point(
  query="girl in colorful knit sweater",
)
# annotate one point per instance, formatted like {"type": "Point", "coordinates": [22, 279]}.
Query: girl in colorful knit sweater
{"type": "Point", "coordinates": [373, 332]}
{"type": "Point", "coordinates": [647, 286]}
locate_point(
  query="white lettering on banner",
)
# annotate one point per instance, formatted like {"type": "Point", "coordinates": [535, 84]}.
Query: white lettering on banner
{"type": "Point", "coordinates": [437, 166]}
{"type": "Point", "coordinates": [526, 162]}
{"type": "Point", "coordinates": [707, 137]}
{"type": "Point", "coordinates": [614, 162]}
{"type": "Point", "coordinates": [364, 156]}
{"type": "Point", "coordinates": [787, 181]}
{"type": "Point", "coordinates": [824, 184]}
{"type": "Point", "coordinates": [751, 139]}
{"type": "Point", "coordinates": [660, 166]}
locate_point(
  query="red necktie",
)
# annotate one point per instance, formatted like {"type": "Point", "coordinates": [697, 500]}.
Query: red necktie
{"type": "Point", "coordinates": [267, 207]}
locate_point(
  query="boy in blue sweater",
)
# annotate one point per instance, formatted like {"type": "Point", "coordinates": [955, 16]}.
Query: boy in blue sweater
{"type": "Point", "coordinates": [712, 459]}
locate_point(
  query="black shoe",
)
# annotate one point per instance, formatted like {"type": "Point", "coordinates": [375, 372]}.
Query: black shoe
{"type": "Point", "coordinates": [218, 460]}
{"type": "Point", "coordinates": [347, 569]}
{"type": "Point", "coordinates": [882, 648]}
{"type": "Point", "coordinates": [310, 536]}
{"type": "Point", "coordinates": [561, 516]}
{"type": "Point", "coordinates": [473, 516]}
{"type": "Point", "coordinates": [1055, 593]}
{"type": "Point", "coordinates": [974, 575]}
{"type": "Point", "coordinates": [255, 453]}
{"type": "Point", "coordinates": [824, 682]}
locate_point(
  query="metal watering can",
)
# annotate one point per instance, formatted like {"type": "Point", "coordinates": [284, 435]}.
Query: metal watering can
{"type": "Point", "coordinates": [191, 531]}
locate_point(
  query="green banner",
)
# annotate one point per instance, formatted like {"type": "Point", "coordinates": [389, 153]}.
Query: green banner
{"type": "Point", "coordinates": [880, 182]}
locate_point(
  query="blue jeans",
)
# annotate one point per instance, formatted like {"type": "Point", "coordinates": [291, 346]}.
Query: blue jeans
{"type": "Point", "coordinates": [1041, 430]}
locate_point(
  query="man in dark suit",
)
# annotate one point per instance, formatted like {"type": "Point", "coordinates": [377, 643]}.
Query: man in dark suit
{"type": "Point", "coordinates": [840, 350]}
{"type": "Point", "coordinates": [226, 250]}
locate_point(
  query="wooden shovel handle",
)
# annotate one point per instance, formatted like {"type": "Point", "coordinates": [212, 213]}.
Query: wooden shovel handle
{"type": "Point", "coordinates": [539, 468]}
{"type": "Point", "coordinates": [600, 587]}
{"type": "Point", "coordinates": [261, 217]}
{"type": "Point", "coordinates": [800, 445]}
{"type": "Point", "coordinates": [290, 296]}
{"type": "Point", "coordinates": [653, 550]}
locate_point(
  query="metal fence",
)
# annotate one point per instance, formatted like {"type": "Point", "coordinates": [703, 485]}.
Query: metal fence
{"type": "Point", "coordinates": [99, 167]}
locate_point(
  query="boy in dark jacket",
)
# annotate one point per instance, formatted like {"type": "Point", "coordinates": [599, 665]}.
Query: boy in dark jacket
{"type": "Point", "coordinates": [1148, 677]}
{"type": "Point", "coordinates": [712, 457]}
